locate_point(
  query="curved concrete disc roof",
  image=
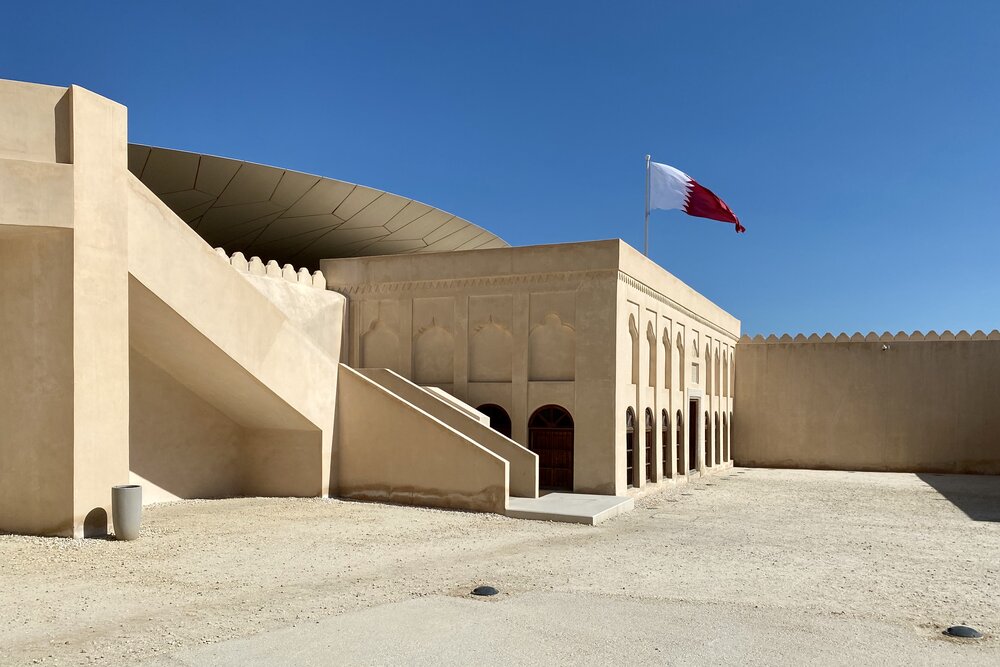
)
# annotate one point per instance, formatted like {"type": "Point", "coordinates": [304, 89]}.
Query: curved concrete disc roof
{"type": "Point", "coordinates": [293, 217]}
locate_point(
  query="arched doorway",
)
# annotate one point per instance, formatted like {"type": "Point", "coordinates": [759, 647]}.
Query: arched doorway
{"type": "Point", "coordinates": [499, 419]}
{"type": "Point", "coordinates": [665, 442]}
{"type": "Point", "coordinates": [550, 435]}
{"type": "Point", "coordinates": [629, 448]}
{"type": "Point", "coordinates": [649, 445]}
{"type": "Point", "coordinates": [679, 417]}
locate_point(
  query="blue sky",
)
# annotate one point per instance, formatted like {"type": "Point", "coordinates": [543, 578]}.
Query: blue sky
{"type": "Point", "coordinates": [858, 141]}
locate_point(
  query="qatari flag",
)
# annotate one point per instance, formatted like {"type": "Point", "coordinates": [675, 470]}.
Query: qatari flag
{"type": "Point", "coordinates": [672, 188]}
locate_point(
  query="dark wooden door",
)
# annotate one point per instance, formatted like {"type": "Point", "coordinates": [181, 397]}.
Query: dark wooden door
{"type": "Point", "coordinates": [550, 436]}
{"type": "Point", "coordinates": [554, 447]}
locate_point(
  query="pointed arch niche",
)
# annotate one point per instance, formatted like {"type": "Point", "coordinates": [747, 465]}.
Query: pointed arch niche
{"type": "Point", "coordinates": [490, 352]}
{"type": "Point", "coordinates": [434, 355]}
{"type": "Point", "coordinates": [552, 350]}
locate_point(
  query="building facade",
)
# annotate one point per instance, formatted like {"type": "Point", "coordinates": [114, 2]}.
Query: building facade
{"type": "Point", "coordinates": [614, 372]}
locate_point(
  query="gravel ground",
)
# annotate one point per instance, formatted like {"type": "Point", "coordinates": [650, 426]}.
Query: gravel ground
{"type": "Point", "coordinates": [907, 554]}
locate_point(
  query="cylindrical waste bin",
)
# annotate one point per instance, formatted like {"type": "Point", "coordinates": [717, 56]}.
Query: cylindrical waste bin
{"type": "Point", "coordinates": [126, 510]}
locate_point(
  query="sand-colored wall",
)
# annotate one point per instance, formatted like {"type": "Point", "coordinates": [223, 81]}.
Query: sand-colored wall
{"type": "Point", "coordinates": [181, 446]}
{"type": "Point", "coordinates": [36, 380]}
{"type": "Point", "coordinates": [35, 122]}
{"type": "Point", "coordinates": [391, 451]}
{"type": "Point", "coordinates": [63, 166]}
{"type": "Point", "coordinates": [523, 462]}
{"type": "Point", "coordinates": [100, 306]}
{"type": "Point", "coordinates": [894, 403]}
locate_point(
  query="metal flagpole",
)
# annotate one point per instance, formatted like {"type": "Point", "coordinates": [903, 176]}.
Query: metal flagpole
{"type": "Point", "coordinates": [646, 244]}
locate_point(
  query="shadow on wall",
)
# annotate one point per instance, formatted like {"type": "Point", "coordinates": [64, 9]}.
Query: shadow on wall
{"type": "Point", "coordinates": [976, 495]}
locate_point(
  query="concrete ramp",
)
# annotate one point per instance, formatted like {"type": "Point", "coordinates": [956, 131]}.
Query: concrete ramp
{"type": "Point", "coordinates": [570, 508]}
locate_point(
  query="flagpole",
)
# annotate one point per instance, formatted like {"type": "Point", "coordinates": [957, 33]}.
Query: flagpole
{"type": "Point", "coordinates": [646, 226]}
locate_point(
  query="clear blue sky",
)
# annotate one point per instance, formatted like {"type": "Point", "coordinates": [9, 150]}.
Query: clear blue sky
{"type": "Point", "coordinates": [858, 141]}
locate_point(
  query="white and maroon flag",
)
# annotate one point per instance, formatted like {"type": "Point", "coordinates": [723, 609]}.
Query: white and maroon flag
{"type": "Point", "coordinates": [672, 188]}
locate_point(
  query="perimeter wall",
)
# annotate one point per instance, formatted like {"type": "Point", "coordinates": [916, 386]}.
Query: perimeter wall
{"type": "Point", "coordinates": [914, 403]}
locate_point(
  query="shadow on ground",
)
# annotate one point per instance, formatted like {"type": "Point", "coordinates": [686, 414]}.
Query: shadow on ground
{"type": "Point", "coordinates": [976, 495]}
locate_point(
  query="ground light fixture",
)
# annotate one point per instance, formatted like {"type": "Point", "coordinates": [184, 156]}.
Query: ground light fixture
{"type": "Point", "coordinates": [484, 591]}
{"type": "Point", "coordinates": [963, 632]}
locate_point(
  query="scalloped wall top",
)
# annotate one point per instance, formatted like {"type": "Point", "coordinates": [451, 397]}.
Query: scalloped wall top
{"type": "Point", "coordinates": [873, 337]}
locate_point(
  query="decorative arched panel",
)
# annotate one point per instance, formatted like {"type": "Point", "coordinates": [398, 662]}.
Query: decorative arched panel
{"type": "Point", "coordinates": [552, 350]}
{"type": "Point", "coordinates": [380, 347]}
{"type": "Point", "coordinates": [490, 353]}
{"type": "Point", "coordinates": [434, 356]}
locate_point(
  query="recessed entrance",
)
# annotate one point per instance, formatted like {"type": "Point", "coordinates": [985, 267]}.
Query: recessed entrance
{"type": "Point", "coordinates": [692, 463]}
{"type": "Point", "coordinates": [550, 435]}
{"type": "Point", "coordinates": [499, 419]}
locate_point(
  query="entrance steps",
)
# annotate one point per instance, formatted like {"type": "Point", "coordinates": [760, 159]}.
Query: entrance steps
{"type": "Point", "coordinates": [570, 508]}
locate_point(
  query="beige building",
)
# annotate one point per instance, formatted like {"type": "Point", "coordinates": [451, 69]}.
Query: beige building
{"type": "Point", "coordinates": [614, 372]}
{"type": "Point", "coordinates": [208, 327]}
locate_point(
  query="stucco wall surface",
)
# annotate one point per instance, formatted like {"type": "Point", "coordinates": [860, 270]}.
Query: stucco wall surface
{"type": "Point", "coordinates": [181, 446]}
{"type": "Point", "coordinates": [36, 380]}
{"type": "Point", "coordinates": [889, 403]}
{"type": "Point", "coordinates": [391, 451]}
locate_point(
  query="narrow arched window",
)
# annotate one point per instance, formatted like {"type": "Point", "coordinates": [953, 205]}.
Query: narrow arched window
{"type": "Point", "coordinates": [650, 430]}
{"type": "Point", "coordinates": [679, 425]}
{"type": "Point", "coordinates": [707, 451]}
{"type": "Point", "coordinates": [629, 447]}
{"type": "Point", "coordinates": [665, 443]}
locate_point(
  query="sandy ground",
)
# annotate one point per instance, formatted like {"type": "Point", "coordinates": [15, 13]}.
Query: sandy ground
{"type": "Point", "coordinates": [752, 566]}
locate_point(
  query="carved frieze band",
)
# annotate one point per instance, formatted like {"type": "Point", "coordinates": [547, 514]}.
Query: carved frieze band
{"type": "Point", "coordinates": [464, 283]}
{"type": "Point", "coordinates": [666, 300]}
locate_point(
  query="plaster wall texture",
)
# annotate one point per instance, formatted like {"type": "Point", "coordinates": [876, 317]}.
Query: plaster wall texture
{"type": "Point", "coordinates": [36, 379]}
{"type": "Point", "coordinates": [522, 461]}
{"type": "Point", "coordinates": [532, 326]}
{"type": "Point", "coordinates": [181, 445]}
{"type": "Point", "coordinates": [100, 306]}
{"type": "Point", "coordinates": [391, 451]}
{"type": "Point", "coordinates": [35, 124]}
{"type": "Point", "coordinates": [924, 404]}
{"type": "Point", "coordinates": [41, 131]}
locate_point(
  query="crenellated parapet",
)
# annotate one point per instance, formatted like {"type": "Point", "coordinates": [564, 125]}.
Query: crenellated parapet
{"type": "Point", "coordinates": [872, 337]}
{"type": "Point", "coordinates": [256, 267]}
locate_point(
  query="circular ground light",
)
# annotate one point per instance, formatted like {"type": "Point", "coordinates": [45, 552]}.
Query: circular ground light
{"type": "Point", "coordinates": [485, 590]}
{"type": "Point", "coordinates": [964, 632]}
